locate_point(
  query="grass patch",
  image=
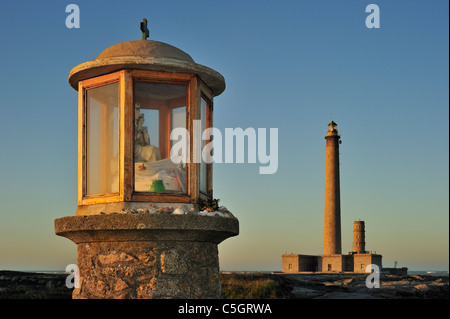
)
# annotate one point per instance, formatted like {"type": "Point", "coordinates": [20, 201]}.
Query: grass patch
{"type": "Point", "coordinates": [254, 286]}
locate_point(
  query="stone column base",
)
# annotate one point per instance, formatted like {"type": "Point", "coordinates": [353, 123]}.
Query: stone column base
{"type": "Point", "coordinates": [147, 256]}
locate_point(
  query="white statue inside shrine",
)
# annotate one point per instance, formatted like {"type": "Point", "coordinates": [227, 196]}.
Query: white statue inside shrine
{"type": "Point", "coordinates": [143, 150]}
{"type": "Point", "coordinates": [149, 166]}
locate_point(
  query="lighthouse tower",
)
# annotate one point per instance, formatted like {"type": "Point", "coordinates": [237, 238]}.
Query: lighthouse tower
{"type": "Point", "coordinates": [332, 229]}
{"type": "Point", "coordinates": [332, 260]}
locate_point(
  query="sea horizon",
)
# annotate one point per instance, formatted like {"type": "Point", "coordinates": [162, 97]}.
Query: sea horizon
{"type": "Point", "coordinates": [410, 272]}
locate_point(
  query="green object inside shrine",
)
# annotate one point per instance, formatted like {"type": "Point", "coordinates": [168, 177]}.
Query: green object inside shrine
{"type": "Point", "coordinates": [157, 186]}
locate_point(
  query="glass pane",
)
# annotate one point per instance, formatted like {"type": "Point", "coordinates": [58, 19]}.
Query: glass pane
{"type": "Point", "coordinates": [143, 132]}
{"type": "Point", "coordinates": [159, 108]}
{"type": "Point", "coordinates": [204, 107]}
{"type": "Point", "coordinates": [102, 158]}
{"type": "Point", "coordinates": [178, 120]}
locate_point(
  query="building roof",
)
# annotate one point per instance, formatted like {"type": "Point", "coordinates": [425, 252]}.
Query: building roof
{"type": "Point", "coordinates": [145, 55]}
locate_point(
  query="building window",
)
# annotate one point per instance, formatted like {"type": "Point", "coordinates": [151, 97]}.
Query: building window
{"type": "Point", "coordinates": [362, 266]}
{"type": "Point", "coordinates": [329, 267]}
{"type": "Point", "coordinates": [290, 266]}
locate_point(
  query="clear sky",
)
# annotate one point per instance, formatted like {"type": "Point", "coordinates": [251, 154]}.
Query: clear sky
{"type": "Point", "coordinates": [290, 65]}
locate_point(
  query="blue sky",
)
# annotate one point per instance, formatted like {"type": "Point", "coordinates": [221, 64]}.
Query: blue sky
{"type": "Point", "coordinates": [288, 64]}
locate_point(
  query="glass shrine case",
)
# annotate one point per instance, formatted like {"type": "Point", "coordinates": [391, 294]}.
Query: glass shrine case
{"type": "Point", "coordinates": [125, 124]}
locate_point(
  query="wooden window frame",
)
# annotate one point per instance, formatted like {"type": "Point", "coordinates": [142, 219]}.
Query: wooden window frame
{"type": "Point", "coordinates": [205, 93]}
{"type": "Point", "coordinates": [190, 80]}
{"type": "Point", "coordinates": [83, 86]}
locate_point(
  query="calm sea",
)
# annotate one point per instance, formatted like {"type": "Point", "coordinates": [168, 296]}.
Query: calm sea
{"type": "Point", "coordinates": [410, 272]}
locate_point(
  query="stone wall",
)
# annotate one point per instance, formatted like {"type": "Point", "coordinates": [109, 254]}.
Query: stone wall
{"type": "Point", "coordinates": [290, 263]}
{"type": "Point", "coordinates": [361, 261]}
{"type": "Point", "coordinates": [147, 256]}
{"type": "Point", "coordinates": [308, 263]}
{"type": "Point", "coordinates": [293, 263]}
{"type": "Point", "coordinates": [332, 263]}
{"type": "Point", "coordinates": [147, 269]}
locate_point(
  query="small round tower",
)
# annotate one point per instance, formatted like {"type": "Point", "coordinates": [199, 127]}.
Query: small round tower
{"type": "Point", "coordinates": [359, 237]}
